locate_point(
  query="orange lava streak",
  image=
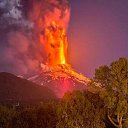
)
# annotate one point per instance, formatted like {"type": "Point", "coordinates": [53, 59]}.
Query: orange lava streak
{"type": "Point", "coordinates": [56, 45]}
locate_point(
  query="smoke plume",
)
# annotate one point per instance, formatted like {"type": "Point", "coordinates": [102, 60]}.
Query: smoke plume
{"type": "Point", "coordinates": [22, 24]}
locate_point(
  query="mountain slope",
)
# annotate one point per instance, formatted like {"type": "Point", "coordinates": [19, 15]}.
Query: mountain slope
{"type": "Point", "coordinates": [13, 88]}
{"type": "Point", "coordinates": [60, 79]}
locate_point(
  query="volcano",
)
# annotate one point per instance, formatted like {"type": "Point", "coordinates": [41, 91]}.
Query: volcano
{"type": "Point", "coordinates": [56, 73]}
{"type": "Point", "coordinates": [60, 79]}
{"type": "Point", "coordinates": [51, 30]}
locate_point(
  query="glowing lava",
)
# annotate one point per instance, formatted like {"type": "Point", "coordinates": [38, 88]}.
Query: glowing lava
{"type": "Point", "coordinates": [56, 44]}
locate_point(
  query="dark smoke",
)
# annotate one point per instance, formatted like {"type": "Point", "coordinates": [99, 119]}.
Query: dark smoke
{"type": "Point", "coordinates": [21, 51]}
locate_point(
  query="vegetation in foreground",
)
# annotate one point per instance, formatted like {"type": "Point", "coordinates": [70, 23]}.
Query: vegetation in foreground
{"type": "Point", "coordinates": [75, 110]}
{"type": "Point", "coordinates": [105, 109]}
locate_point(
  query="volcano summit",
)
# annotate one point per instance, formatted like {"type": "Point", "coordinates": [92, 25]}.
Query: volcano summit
{"type": "Point", "coordinates": [60, 79]}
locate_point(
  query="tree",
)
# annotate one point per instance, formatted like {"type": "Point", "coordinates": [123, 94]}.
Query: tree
{"type": "Point", "coordinates": [46, 115]}
{"type": "Point", "coordinates": [25, 118]}
{"type": "Point", "coordinates": [80, 110]}
{"type": "Point", "coordinates": [6, 115]}
{"type": "Point", "coordinates": [115, 80]}
{"type": "Point", "coordinates": [36, 116]}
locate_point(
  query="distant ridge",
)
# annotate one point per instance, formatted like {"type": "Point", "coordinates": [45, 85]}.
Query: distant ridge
{"type": "Point", "coordinates": [13, 88]}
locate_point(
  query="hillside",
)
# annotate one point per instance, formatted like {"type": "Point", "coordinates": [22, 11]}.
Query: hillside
{"type": "Point", "coordinates": [63, 78]}
{"type": "Point", "coordinates": [13, 88]}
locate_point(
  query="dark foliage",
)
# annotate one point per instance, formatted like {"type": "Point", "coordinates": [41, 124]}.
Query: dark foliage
{"type": "Point", "coordinates": [76, 109]}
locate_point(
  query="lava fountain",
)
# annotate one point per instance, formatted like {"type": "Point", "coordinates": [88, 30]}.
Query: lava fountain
{"type": "Point", "coordinates": [56, 44]}
{"type": "Point", "coordinates": [51, 20]}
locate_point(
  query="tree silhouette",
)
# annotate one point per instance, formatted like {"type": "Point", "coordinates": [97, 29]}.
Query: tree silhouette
{"type": "Point", "coordinates": [115, 80]}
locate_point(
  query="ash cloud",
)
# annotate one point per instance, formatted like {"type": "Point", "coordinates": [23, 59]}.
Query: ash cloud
{"type": "Point", "coordinates": [21, 26]}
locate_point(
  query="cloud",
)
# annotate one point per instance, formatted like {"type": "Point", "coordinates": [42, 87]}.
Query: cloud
{"type": "Point", "coordinates": [18, 54]}
{"type": "Point", "coordinates": [21, 28]}
{"type": "Point", "coordinates": [14, 13]}
{"type": "Point", "coordinates": [9, 5]}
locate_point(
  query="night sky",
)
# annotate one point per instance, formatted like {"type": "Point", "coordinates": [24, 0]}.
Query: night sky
{"type": "Point", "coordinates": [98, 33]}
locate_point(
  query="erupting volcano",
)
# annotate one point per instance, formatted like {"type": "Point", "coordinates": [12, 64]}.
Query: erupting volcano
{"type": "Point", "coordinates": [51, 29]}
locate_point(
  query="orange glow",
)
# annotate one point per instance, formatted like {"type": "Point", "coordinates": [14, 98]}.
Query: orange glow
{"type": "Point", "coordinates": [51, 23]}
{"type": "Point", "coordinates": [56, 44]}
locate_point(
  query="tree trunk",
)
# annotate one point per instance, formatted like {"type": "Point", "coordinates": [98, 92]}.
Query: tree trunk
{"type": "Point", "coordinates": [113, 122]}
{"type": "Point", "coordinates": [120, 126]}
{"type": "Point", "coordinates": [120, 122]}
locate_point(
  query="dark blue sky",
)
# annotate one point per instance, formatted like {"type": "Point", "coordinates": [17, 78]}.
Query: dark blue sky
{"type": "Point", "coordinates": [98, 33]}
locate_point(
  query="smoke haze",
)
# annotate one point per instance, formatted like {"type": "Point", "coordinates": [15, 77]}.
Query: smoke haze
{"type": "Point", "coordinates": [21, 32]}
